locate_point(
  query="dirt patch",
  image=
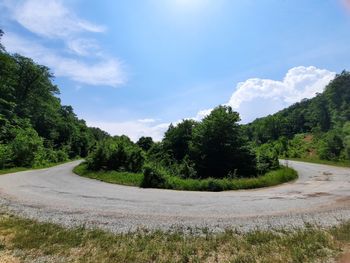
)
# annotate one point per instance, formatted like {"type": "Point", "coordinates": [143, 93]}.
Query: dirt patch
{"type": "Point", "coordinates": [318, 194]}
{"type": "Point", "coordinates": [7, 258]}
{"type": "Point", "coordinates": [345, 199]}
{"type": "Point", "coordinates": [308, 138]}
{"type": "Point", "coordinates": [345, 257]}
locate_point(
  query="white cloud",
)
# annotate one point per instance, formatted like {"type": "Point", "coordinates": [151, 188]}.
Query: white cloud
{"type": "Point", "coordinates": [52, 20]}
{"type": "Point", "coordinates": [252, 98]}
{"type": "Point", "coordinates": [133, 129]}
{"type": "Point", "coordinates": [202, 114]}
{"type": "Point", "coordinates": [83, 47]}
{"type": "Point", "coordinates": [147, 120]}
{"type": "Point", "coordinates": [103, 72]}
{"type": "Point", "coordinates": [257, 97]}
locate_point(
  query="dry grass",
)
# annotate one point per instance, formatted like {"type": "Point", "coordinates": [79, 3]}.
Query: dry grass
{"type": "Point", "coordinates": [23, 240]}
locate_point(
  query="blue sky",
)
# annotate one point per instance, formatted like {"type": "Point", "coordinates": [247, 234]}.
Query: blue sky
{"type": "Point", "coordinates": [135, 66]}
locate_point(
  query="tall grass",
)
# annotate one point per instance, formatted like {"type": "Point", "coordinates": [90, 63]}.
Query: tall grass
{"type": "Point", "coordinates": [114, 177]}
{"type": "Point", "coordinates": [272, 178]}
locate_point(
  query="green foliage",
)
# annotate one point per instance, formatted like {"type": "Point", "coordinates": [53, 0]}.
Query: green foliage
{"type": "Point", "coordinates": [158, 177]}
{"type": "Point", "coordinates": [316, 128]}
{"type": "Point", "coordinates": [266, 159]}
{"type": "Point", "coordinates": [5, 156]}
{"type": "Point", "coordinates": [26, 148]}
{"type": "Point", "coordinates": [331, 146]}
{"type": "Point", "coordinates": [117, 153]}
{"type": "Point", "coordinates": [218, 147]}
{"type": "Point", "coordinates": [145, 143]}
{"type": "Point", "coordinates": [124, 178]}
{"type": "Point", "coordinates": [177, 139]}
{"type": "Point", "coordinates": [33, 123]}
{"type": "Point", "coordinates": [154, 176]}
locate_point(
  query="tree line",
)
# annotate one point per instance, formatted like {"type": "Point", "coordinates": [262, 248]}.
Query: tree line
{"type": "Point", "coordinates": [35, 128]}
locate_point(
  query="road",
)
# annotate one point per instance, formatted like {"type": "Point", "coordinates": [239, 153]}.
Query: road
{"type": "Point", "coordinates": [321, 195]}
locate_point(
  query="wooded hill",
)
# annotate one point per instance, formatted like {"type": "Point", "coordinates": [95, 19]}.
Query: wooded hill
{"type": "Point", "coordinates": [313, 128]}
{"type": "Point", "coordinates": [35, 128]}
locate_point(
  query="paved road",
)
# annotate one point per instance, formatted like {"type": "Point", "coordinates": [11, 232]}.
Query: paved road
{"type": "Point", "coordinates": [321, 195]}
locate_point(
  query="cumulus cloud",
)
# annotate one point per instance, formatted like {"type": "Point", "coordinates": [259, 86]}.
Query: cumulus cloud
{"type": "Point", "coordinates": [133, 129]}
{"type": "Point", "coordinates": [257, 97]}
{"type": "Point", "coordinates": [252, 98]}
{"type": "Point", "coordinates": [53, 20]}
{"type": "Point", "coordinates": [104, 72]}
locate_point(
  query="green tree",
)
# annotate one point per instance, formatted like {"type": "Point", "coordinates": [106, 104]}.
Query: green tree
{"type": "Point", "coordinates": [145, 143]}
{"type": "Point", "coordinates": [177, 139]}
{"type": "Point", "coordinates": [218, 147]}
{"type": "Point", "coordinates": [118, 153]}
{"type": "Point", "coordinates": [26, 148]}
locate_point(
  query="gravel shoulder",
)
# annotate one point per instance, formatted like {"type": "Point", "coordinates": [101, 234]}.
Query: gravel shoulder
{"type": "Point", "coordinates": [320, 196]}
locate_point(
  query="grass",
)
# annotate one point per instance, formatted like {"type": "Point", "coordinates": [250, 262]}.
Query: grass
{"type": "Point", "coordinates": [272, 178]}
{"type": "Point", "coordinates": [318, 161]}
{"type": "Point", "coordinates": [24, 239]}
{"type": "Point", "coordinates": [20, 169]}
{"type": "Point", "coordinates": [114, 177]}
{"type": "Point", "coordinates": [13, 170]}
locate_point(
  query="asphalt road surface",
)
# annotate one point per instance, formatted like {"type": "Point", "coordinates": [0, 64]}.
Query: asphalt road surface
{"type": "Point", "coordinates": [321, 196]}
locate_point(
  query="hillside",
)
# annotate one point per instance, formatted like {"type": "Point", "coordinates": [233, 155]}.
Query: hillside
{"type": "Point", "coordinates": [313, 128]}
{"type": "Point", "coordinates": [35, 128]}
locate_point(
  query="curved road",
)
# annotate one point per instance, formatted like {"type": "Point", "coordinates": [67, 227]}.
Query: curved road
{"type": "Point", "coordinates": [321, 195]}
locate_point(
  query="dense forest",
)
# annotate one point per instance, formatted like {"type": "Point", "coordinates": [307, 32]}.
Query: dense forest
{"type": "Point", "coordinates": [35, 128]}
{"type": "Point", "coordinates": [317, 128]}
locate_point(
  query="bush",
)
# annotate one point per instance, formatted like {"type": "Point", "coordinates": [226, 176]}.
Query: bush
{"type": "Point", "coordinates": [154, 177]}
{"type": "Point", "coordinates": [52, 156]}
{"type": "Point", "coordinates": [267, 159]}
{"type": "Point", "coordinates": [27, 147]}
{"type": "Point", "coordinates": [117, 153]}
{"type": "Point", "coordinates": [5, 156]}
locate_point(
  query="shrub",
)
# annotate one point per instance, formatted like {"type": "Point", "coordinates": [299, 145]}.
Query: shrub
{"type": "Point", "coordinates": [153, 177]}
{"type": "Point", "coordinates": [26, 147]}
{"type": "Point", "coordinates": [5, 156]}
{"type": "Point", "coordinates": [117, 153]}
{"type": "Point", "coordinates": [52, 156]}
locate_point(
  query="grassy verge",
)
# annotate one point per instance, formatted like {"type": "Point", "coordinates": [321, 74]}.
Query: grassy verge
{"type": "Point", "coordinates": [272, 178]}
{"type": "Point", "coordinates": [114, 177]}
{"type": "Point", "coordinates": [173, 182]}
{"type": "Point", "coordinates": [22, 239]}
{"type": "Point", "coordinates": [20, 169]}
{"type": "Point", "coordinates": [318, 161]}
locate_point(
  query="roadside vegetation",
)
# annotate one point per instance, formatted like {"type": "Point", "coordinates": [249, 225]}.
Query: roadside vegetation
{"type": "Point", "coordinates": [21, 169]}
{"type": "Point", "coordinates": [208, 155]}
{"type": "Point", "coordinates": [114, 177]}
{"type": "Point", "coordinates": [164, 180]}
{"type": "Point", "coordinates": [30, 241]}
